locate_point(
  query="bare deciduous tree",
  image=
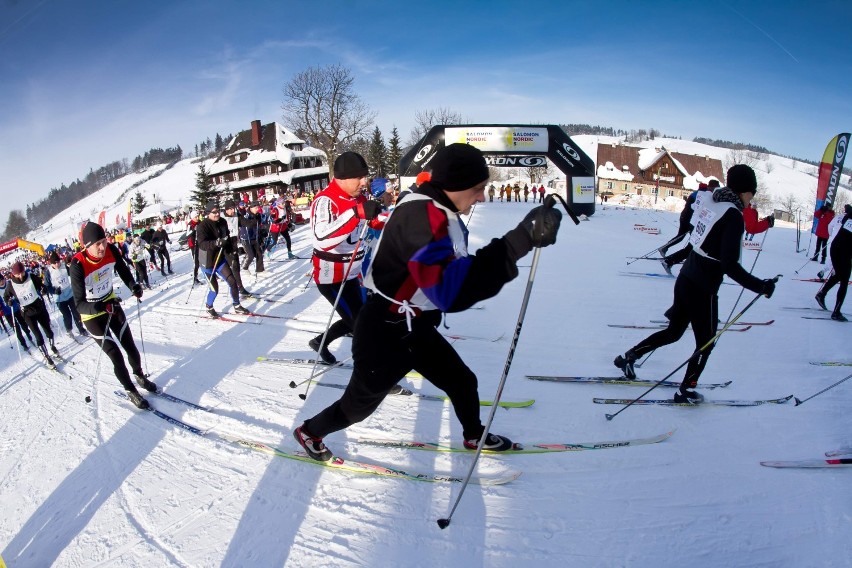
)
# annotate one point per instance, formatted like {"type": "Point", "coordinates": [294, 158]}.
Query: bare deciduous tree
{"type": "Point", "coordinates": [790, 204]}
{"type": "Point", "coordinates": [321, 106]}
{"type": "Point", "coordinates": [426, 119]}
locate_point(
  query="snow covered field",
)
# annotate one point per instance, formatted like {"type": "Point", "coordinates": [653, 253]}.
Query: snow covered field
{"type": "Point", "coordinates": [103, 484]}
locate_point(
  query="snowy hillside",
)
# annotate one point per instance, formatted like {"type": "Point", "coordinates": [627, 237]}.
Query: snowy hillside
{"type": "Point", "coordinates": [103, 484]}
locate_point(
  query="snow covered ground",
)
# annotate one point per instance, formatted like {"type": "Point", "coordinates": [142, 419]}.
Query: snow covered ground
{"type": "Point", "coordinates": [103, 484]}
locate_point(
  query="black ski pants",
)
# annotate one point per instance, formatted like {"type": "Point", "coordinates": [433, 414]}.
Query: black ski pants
{"type": "Point", "coordinates": [17, 322]}
{"type": "Point", "coordinates": [692, 305]}
{"type": "Point", "coordinates": [35, 315]}
{"type": "Point", "coordinates": [233, 260]}
{"type": "Point", "coordinates": [165, 260]}
{"type": "Point", "coordinates": [384, 351]}
{"type": "Point", "coordinates": [141, 273]}
{"type": "Point", "coordinates": [822, 244]}
{"type": "Point", "coordinates": [253, 252]}
{"type": "Point", "coordinates": [69, 314]}
{"type": "Point", "coordinates": [841, 261]}
{"type": "Point", "coordinates": [351, 301]}
{"type": "Point", "coordinates": [110, 338]}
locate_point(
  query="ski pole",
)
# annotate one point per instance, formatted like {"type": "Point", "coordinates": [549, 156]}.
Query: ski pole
{"type": "Point", "coordinates": [804, 265]}
{"type": "Point", "coordinates": [141, 338]}
{"type": "Point", "coordinates": [294, 384]}
{"type": "Point", "coordinates": [674, 240]}
{"type": "Point", "coordinates": [643, 361]}
{"type": "Point", "coordinates": [753, 264]}
{"type": "Point", "coordinates": [549, 202]}
{"type": "Point", "coordinates": [334, 308]}
{"type": "Point", "coordinates": [691, 357]}
{"type": "Point", "coordinates": [100, 355]}
{"type": "Point", "coordinates": [15, 325]}
{"type": "Point", "coordinates": [798, 402]}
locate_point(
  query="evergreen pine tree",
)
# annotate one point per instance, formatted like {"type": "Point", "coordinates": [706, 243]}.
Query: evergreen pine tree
{"type": "Point", "coordinates": [394, 152]}
{"type": "Point", "coordinates": [16, 226]}
{"type": "Point", "coordinates": [219, 143]}
{"type": "Point", "coordinates": [204, 191]}
{"type": "Point", "coordinates": [139, 202]}
{"type": "Point", "coordinates": [377, 155]}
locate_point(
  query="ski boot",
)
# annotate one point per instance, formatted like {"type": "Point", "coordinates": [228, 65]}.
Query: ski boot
{"type": "Point", "coordinates": [820, 299]}
{"type": "Point", "coordinates": [291, 256]}
{"type": "Point", "coordinates": [244, 293]}
{"type": "Point", "coordinates": [53, 347]}
{"type": "Point", "coordinates": [137, 399]}
{"type": "Point", "coordinates": [239, 309]}
{"type": "Point", "coordinates": [688, 397]}
{"type": "Point", "coordinates": [625, 363]}
{"type": "Point", "coordinates": [314, 447]}
{"type": "Point", "coordinates": [211, 312]}
{"type": "Point", "coordinates": [325, 354]}
{"type": "Point", "coordinates": [666, 266]}
{"type": "Point", "coordinates": [492, 443]}
{"type": "Point", "coordinates": [142, 381]}
{"type": "Point", "coordinates": [47, 360]}
{"type": "Point", "coordinates": [837, 316]}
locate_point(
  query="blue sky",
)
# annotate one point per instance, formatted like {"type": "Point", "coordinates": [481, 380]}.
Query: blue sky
{"type": "Point", "coordinates": [88, 82]}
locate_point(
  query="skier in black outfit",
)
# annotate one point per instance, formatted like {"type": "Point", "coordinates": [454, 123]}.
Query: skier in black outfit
{"type": "Point", "coordinates": [717, 243]}
{"type": "Point", "coordinates": [147, 237]}
{"type": "Point", "coordinates": [159, 243]}
{"type": "Point", "coordinates": [420, 269]}
{"type": "Point", "coordinates": [841, 260]}
{"type": "Point", "coordinates": [99, 307]}
{"type": "Point", "coordinates": [250, 226]}
{"type": "Point", "coordinates": [232, 253]}
{"type": "Point", "coordinates": [684, 228]}
{"type": "Point", "coordinates": [213, 245]}
{"type": "Point", "coordinates": [27, 289]}
{"type": "Point", "coordinates": [12, 313]}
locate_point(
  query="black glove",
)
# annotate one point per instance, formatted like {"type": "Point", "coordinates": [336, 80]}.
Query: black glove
{"type": "Point", "coordinates": [824, 207]}
{"type": "Point", "coordinates": [541, 224]}
{"type": "Point", "coordinates": [137, 290]}
{"type": "Point", "coordinates": [368, 210]}
{"type": "Point", "coordinates": [58, 290]}
{"type": "Point", "coordinates": [220, 242]}
{"type": "Point", "coordinates": [771, 220]}
{"type": "Point", "coordinates": [848, 209]}
{"type": "Point", "coordinates": [768, 287]}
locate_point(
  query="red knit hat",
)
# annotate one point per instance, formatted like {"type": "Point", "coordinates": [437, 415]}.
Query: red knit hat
{"type": "Point", "coordinates": [423, 176]}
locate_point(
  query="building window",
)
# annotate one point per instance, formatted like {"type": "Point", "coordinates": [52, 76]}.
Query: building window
{"type": "Point", "coordinates": [609, 185]}
{"type": "Point", "coordinates": [267, 170]}
{"type": "Point", "coordinates": [236, 176]}
{"type": "Point", "coordinates": [251, 172]}
{"type": "Point", "coordinates": [221, 179]}
{"type": "Point", "coordinates": [624, 187]}
{"type": "Point", "coordinates": [670, 193]}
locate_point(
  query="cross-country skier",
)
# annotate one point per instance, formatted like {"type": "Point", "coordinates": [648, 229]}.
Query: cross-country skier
{"type": "Point", "coordinates": [213, 243]}
{"type": "Point", "coordinates": [841, 260]}
{"type": "Point", "coordinates": [99, 307]}
{"type": "Point", "coordinates": [57, 280]}
{"type": "Point", "coordinates": [232, 253]}
{"type": "Point", "coordinates": [684, 228]}
{"type": "Point", "coordinates": [159, 243]}
{"type": "Point", "coordinates": [27, 288]}
{"type": "Point", "coordinates": [717, 243]}
{"type": "Point", "coordinates": [137, 252]}
{"type": "Point", "coordinates": [12, 313]}
{"type": "Point", "coordinates": [337, 214]}
{"type": "Point", "coordinates": [420, 269]}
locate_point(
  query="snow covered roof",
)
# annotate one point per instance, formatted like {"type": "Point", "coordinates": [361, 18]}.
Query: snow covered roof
{"type": "Point", "coordinates": [609, 171]}
{"type": "Point", "coordinates": [278, 177]}
{"type": "Point", "coordinates": [277, 144]}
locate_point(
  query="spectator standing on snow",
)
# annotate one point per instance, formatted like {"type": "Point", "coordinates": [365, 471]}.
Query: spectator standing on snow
{"type": "Point", "coordinates": [824, 215]}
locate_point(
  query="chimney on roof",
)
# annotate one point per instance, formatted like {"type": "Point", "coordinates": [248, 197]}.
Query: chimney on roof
{"type": "Point", "coordinates": [255, 133]}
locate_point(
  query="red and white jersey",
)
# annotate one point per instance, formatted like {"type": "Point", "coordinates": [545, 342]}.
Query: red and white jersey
{"type": "Point", "coordinates": [336, 229]}
{"type": "Point", "coordinates": [97, 274]}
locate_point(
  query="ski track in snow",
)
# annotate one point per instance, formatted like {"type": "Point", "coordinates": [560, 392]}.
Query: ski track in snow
{"type": "Point", "coordinates": [103, 484]}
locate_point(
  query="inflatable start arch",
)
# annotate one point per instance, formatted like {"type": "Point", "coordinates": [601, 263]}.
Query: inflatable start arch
{"type": "Point", "coordinates": [512, 146]}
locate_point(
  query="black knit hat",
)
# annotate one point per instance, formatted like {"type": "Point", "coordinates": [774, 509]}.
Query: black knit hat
{"type": "Point", "coordinates": [741, 179]}
{"type": "Point", "coordinates": [229, 204]}
{"type": "Point", "coordinates": [91, 233]}
{"type": "Point", "coordinates": [458, 167]}
{"type": "Point", "coordinates": [211, 205]}
{"type": "Point", "coordinates": [350, 165]}
{"type": "Point", "coordinates": [17, 268]}
{"type": "Point", "coordinates": [54, 256]}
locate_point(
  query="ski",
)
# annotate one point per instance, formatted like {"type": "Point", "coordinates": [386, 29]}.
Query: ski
{"type": "Point", "coordinates": [271, 300]}
{"type": "Point", "coordinates": [336, 462]}
{"type": "Point", "coordinates": [703, 403]}
{"type": "Point", "coordinates": [518, 448]}
{"type": "Point", "coordinates": [819, 318]}
{"type": "Point", "coordinates": [745, 328]}
{"type": "Point", "coordinates": [308, 362]}
{"type": "Point", "coordinates": [646, 258]}
{"type": "Point", "coordinates": [831, 364]}
{"type": "Point", "coordinates": [620, 381]}
{"type": "Point", "coordinates": [217, 318]}
{"type": "Point", "coordinates": [400, 391]}
{"type": "Point", "coordinates": [646, 274]}
{"type": "Point", "coordinates": [810, 464]}
{"type": "Point", "coordinates": [178, 400]}
{"type": "Point", "coordinates": [770, 322]}
{"type": "Point", "coordinates": [473, 337]}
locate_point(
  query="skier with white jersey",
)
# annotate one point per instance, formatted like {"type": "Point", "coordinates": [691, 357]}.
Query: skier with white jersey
{"type": "Point", "coordinates": [57, 280]}
{"type": "Point", "coordinates": [27, 289]}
